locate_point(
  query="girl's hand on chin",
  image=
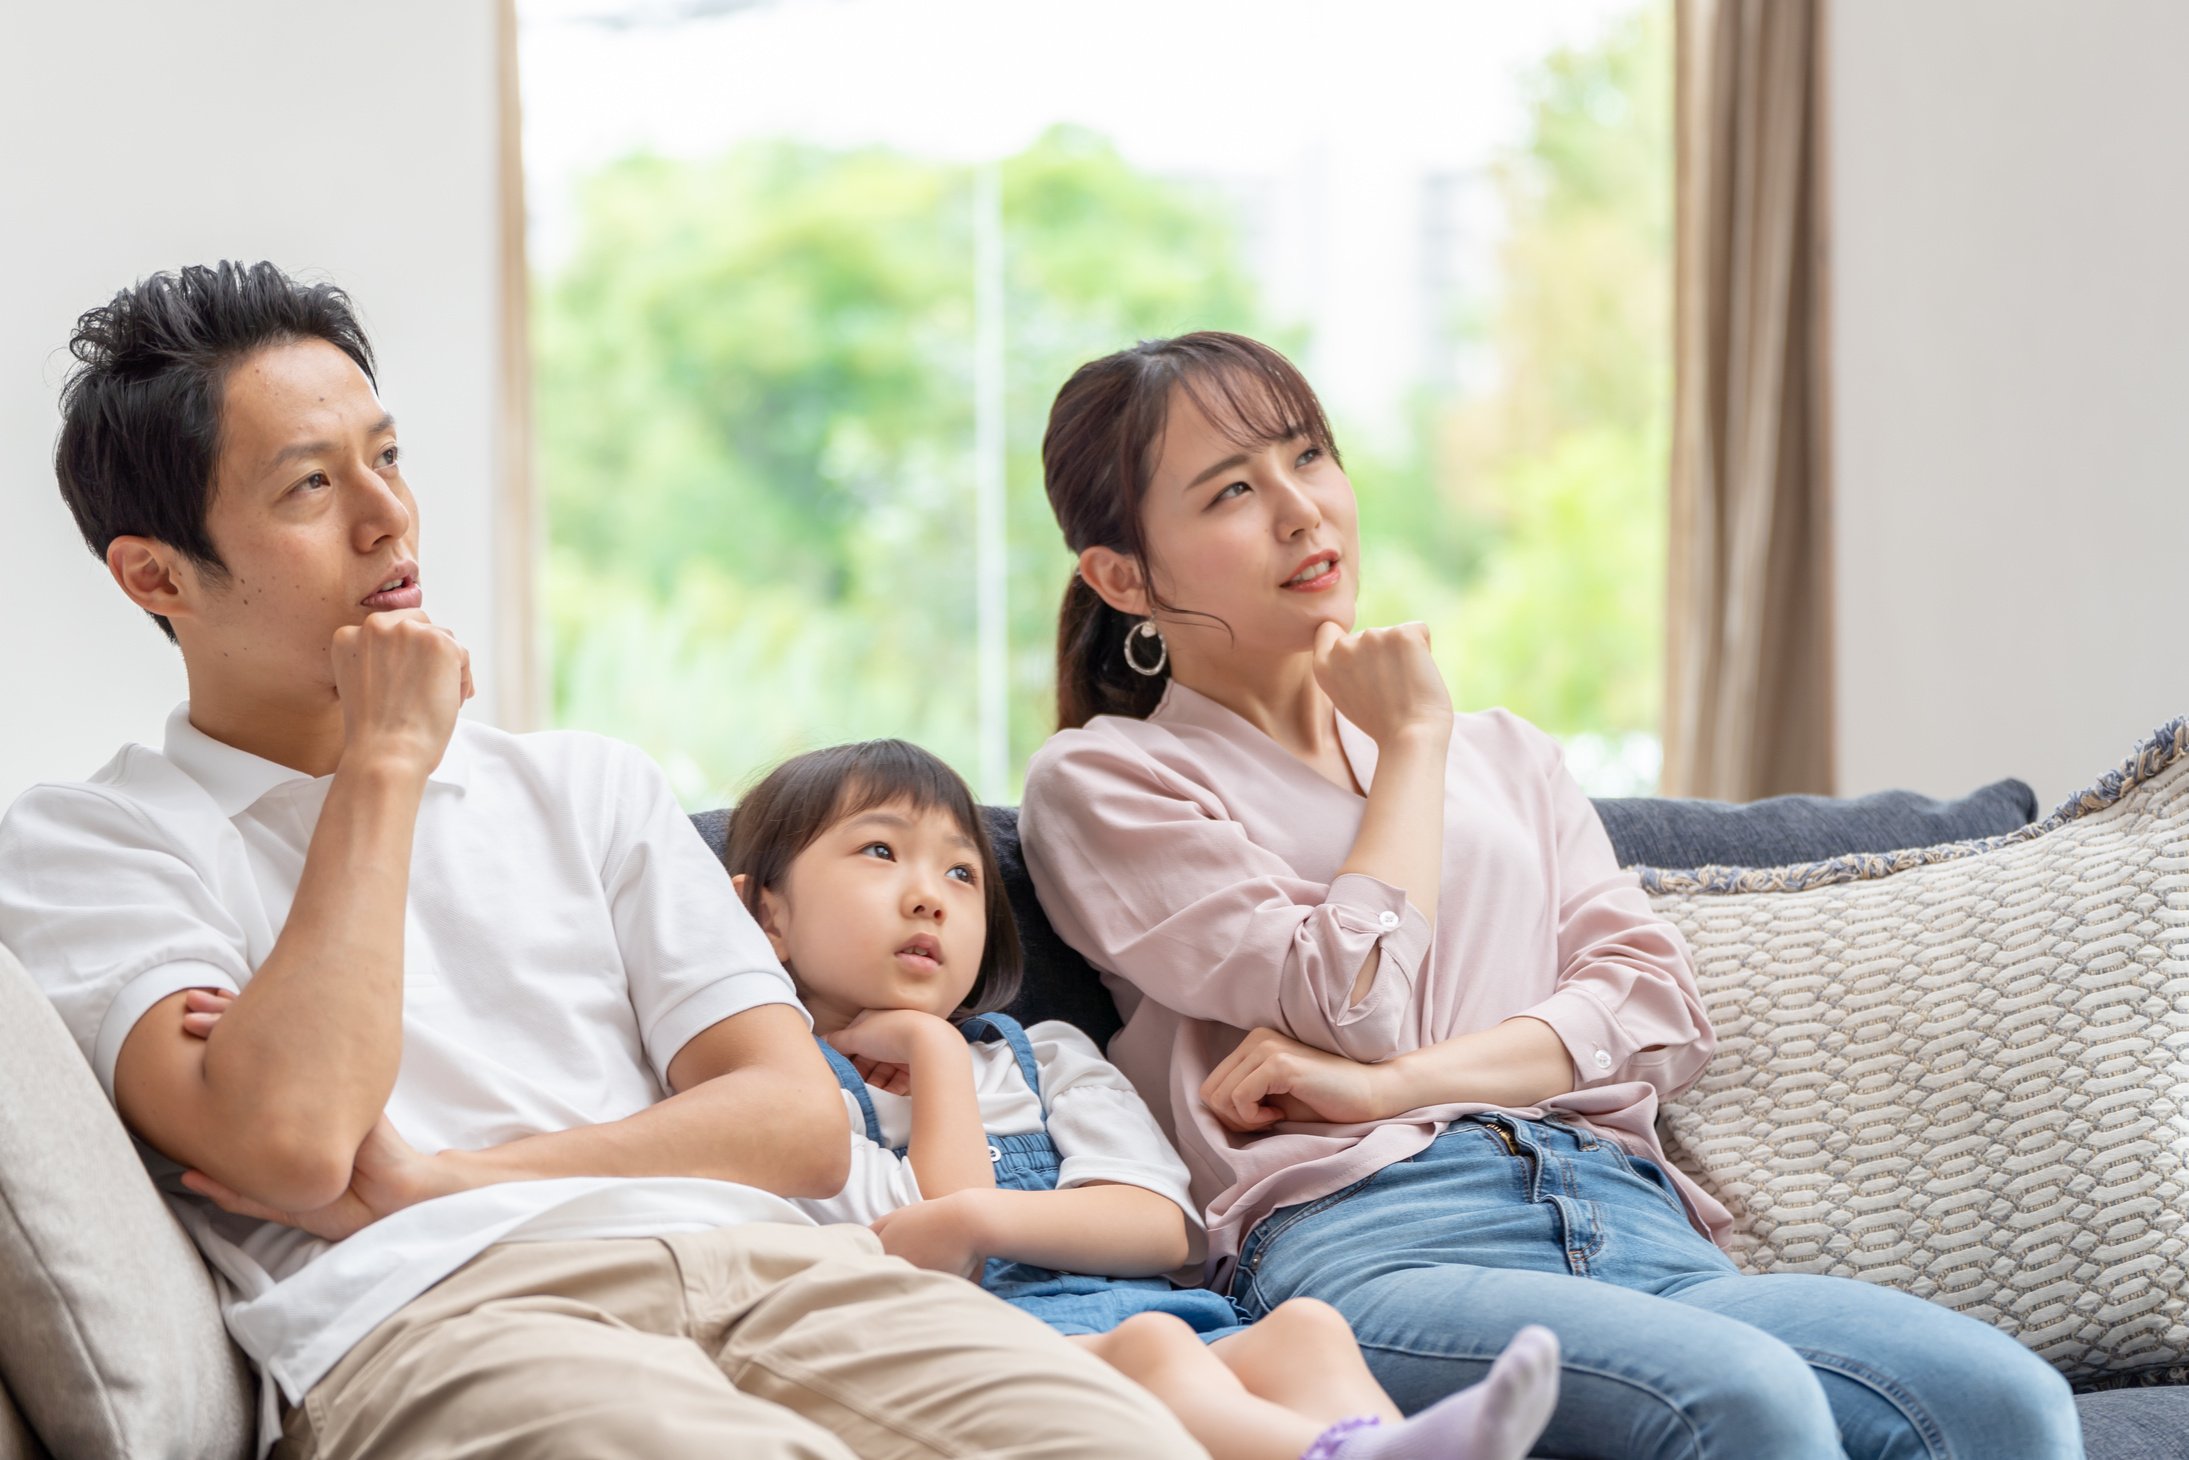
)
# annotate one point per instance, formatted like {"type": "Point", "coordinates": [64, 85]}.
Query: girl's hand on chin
{"type": "Point", "coordinates": [886, 1045]}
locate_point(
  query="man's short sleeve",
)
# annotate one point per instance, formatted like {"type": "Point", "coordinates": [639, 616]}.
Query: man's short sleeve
{"type": "Point", "coordinates": [109, 914]}
{"type": "Point", "coordinates": [691, 952]}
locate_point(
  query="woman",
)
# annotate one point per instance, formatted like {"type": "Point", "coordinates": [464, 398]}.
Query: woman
{"type": "Point", "coordinates": [1386, 985]}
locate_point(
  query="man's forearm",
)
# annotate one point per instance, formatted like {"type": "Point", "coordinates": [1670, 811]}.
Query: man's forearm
{"type": "Point", "coordinates": [309, 1049]}
{"type": "Point", "coordinates": [748, 1126]}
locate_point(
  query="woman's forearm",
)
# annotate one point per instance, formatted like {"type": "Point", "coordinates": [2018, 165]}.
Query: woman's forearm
{"type": "Point", "coordinates": [1517, 1063]}
{"type": "Point", "coordinates": [1401, 839]}
{"type": "Point", "coordinates": [1115, 1230]}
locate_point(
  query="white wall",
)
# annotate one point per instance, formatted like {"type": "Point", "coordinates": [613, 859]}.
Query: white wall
{"type": "Point", "coordinates": [2011, 373]}
{"type": "Point", "coordinates": [350, 142]}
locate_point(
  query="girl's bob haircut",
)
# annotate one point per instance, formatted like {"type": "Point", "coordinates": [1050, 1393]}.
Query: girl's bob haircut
{"type": "Point", "coordinates": [806, 795]}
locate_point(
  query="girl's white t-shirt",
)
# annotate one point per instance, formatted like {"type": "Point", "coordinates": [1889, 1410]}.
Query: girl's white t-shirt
{"type": "Point", "coordinates": [1103, 1131]}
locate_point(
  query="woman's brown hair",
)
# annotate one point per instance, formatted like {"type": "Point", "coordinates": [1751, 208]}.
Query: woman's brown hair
{"type": "Point", "coordinates": [807, 794]}
{"type": "Point", "coordinates": [1104, 433]}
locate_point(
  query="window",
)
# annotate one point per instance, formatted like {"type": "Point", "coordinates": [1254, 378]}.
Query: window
{"type": "Point", "coordinates": [808, 274]}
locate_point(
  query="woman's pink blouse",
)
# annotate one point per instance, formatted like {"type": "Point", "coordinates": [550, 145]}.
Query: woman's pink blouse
{"type": "Point", "coordinates": [1194, 862]}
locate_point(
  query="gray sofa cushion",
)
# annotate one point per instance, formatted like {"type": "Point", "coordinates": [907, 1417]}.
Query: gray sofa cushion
{"type": "Point", "coordinates": [112, 1342]}
{"type": "Point", "coordinates": [1668, 832]}
{"type": "Point", "coordinates": [2136, 1424]}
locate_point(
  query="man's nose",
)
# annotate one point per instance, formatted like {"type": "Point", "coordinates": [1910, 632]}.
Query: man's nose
{"type": "Point", "coordinates": [381, 511]}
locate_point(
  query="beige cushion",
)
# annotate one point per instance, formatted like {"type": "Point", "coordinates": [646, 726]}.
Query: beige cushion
{"type": "Point", "coordinates": [16, 1440]}
{"type": "Point", "coordinates": [1964, 1071]}
{"type": "Point", "coordinates": [112, 1342]}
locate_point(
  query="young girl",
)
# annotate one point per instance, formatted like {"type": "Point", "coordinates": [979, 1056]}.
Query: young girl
{"type": "Point", "coordinates": [1021, 1155]}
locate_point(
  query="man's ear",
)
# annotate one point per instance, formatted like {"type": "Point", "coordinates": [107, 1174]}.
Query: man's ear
{"type": "Point", "coordinates": [150, 572]}
{"type": "Point", "coordinates": [1116, 580]}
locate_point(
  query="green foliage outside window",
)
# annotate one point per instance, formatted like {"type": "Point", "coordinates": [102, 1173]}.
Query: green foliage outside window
{"type": "Point", "coordinates": [755, 380]}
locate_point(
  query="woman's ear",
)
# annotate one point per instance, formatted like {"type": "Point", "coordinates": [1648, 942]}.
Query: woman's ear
{"type": "Point", "coordinates": [1116, 580]}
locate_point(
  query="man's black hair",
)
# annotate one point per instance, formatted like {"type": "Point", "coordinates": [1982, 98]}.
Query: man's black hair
{"type": "Point", "coordinates": [141, 411]}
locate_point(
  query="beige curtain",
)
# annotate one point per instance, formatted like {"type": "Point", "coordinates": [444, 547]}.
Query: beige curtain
{"type": "Point", "coordinates": [1749, 656]}
{"type": "Point", "coordinates": [518, 538]}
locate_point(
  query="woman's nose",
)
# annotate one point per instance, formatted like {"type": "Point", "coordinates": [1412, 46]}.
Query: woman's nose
{"type": "Point", "coordinates": [1296, 510]}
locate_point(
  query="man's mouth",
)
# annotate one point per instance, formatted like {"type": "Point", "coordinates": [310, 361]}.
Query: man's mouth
{"type": "Point", "coordinates": [399, 591]}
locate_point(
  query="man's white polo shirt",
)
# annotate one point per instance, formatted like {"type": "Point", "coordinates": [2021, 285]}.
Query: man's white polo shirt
{"type": "Point", "coordinates": [567, 932]}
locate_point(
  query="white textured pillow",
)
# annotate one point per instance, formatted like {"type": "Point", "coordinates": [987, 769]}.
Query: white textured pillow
{"type": "Point", "coordinates": [1964, 1070]}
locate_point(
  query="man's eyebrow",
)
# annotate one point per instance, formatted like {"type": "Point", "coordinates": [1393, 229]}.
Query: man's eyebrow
{"type": "Point", "coordinates": [1222, 466]}
{"type": "Point", "coordinates": [300, 450]}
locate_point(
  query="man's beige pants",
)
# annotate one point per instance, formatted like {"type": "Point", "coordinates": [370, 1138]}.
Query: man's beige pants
{"type": "Point", "coordinates": [759, 1341]}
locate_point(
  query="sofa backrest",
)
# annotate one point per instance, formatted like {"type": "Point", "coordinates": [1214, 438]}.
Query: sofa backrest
{"type": "Point", "coordinates": [1645, 831]}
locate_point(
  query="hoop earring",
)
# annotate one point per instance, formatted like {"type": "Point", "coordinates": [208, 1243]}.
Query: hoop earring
{"type": "Point", "coordinates": [1146, 629]}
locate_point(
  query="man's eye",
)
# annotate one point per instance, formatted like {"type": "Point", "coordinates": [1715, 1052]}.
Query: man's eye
{"type": "Point", "coordinates": [388, 457]}
{"type": "Point", "coordinates": [879, 849]}
{"type": "Point", "coordinates": [316, 479]}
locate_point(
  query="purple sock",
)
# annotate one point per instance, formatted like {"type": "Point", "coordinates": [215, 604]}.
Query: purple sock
{"type": "Point", "coordinates": [1498, 1419]}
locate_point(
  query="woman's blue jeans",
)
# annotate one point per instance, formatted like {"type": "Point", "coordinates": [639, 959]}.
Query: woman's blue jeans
{"type": "Point", "coordinates": [1669, 1351]}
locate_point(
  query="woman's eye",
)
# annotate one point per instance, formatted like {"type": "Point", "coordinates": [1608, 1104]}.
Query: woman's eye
{"type": "Point", "coordinates": [1312, 454]}
{"type": "Point", "coordinates": [1225, 494]}
{"type": "Point", "coordinates": [878, 849]}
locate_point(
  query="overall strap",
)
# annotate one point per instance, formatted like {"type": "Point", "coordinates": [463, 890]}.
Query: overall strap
{"type": "Point", "coordinates": [848, 1076]}
{"type": "Point", "coordinates": [980, 1026]}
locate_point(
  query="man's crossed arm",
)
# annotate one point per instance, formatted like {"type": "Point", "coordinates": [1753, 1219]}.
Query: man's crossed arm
{"type": "Point", "coordinates": [754, 1103]}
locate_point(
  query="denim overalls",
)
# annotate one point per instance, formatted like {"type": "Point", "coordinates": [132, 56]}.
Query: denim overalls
{"type": "Point", "coordinates": [1028, 1161]}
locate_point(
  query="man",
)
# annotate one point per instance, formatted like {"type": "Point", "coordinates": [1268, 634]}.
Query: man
{"type": "Point", "coordinates": [460, 1059]}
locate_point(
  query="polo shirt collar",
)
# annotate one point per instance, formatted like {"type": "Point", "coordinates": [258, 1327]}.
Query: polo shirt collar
{"type": "Point", "coordinates": [236, 778]}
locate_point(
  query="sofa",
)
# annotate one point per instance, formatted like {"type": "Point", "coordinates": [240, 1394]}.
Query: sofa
{"type": "Point", "coordinates": [110, 1343]}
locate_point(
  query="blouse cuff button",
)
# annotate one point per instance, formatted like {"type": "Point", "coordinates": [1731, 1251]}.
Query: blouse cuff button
{"type": "Point", "coordinates": [1603, 1059]}
{"type": "Point", "coordinates": [1388, 919]}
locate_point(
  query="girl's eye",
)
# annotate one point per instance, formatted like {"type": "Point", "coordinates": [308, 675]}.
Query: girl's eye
{"type": "Point", "coordinates": [1225, 494]}
{"type": "Point", "coordinates": [963, 873]}
{"type": "Point", "coordinates": [879, 849]}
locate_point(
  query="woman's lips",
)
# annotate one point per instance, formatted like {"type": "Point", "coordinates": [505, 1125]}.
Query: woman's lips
{"type": "Point", "coordinates": [1321, 583]}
